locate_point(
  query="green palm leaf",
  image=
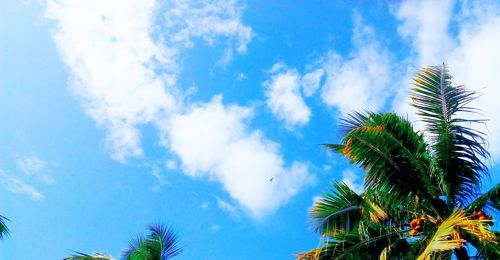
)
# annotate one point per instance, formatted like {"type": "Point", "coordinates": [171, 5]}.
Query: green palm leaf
{"type": "Point", "coordinates": [393, 154]}
{"type": "Point", "coordinates": [4, 231]}
{"type": "Point", "coordinates": [489, 200]}
{"type": "Point", "coordinates": [339, 209]}
{"type": "Point", "coordinates": [159, 244]}
{"type": "Point", "coordinates": [458, 149]}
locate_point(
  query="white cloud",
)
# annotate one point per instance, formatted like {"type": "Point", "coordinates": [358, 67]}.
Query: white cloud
{"type": "Point", "coordinates": [352, 180]}
{"type": "Point", "coordinates": [212, 141]}
{"type": "Point", "coordinates": [126, 79]}
{"type": "Point", "coordinates": [19, 187]}
{"type": "Point", "coordinates": [33, 166]}
{"type": "Point", "coordinates": [427, 31]}
{"type": "Point", "coordinates": [475, 63]}
{"type": "Point", "coordinates": [311, 81]}
{"type": "Point", "coordinates": [204, 205]}
{"type": "Point", "coordinates": [425, 25]}
{"type": "Point", "coordinates": [112, 61]}
{"type": "Point", "coordinates": [361, 80]}
{"type": "Point", "coordinates": [471, 52]}
{"type": "Point", "coordinates": [284, 97]}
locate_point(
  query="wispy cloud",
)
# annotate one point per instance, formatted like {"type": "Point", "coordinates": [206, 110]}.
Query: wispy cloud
{"type": "Point", "coordinates": [159, 176]}
{"type": "Point", "coordinates": [34, 167]}
{"type": "Point", "coordinates": [227, 207]}
{"type": "Point", "coordinates": [17, 186]}
{"type": "Point", "coordinates": [189, 19]}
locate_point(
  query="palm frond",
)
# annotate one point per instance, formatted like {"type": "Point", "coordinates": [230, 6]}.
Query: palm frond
{"type": "Point", "coordinates": [458, 148]}
{"type": "Point", "coordinates": [4, 230]}
{"type": "Point", "coordinates": [400, 249]}
{"type": "Point", "coordinates": [489, 200]}
{"type": "Point", "coordinates": [448, 235]}
{"type": "Point", "coordinates": [163, 241]}
{"type": "Point", "coordinates": [350, 245]}
{"type": "Point", "coordinates": [83, 256]}
{"type": "Point", "coordinates": [160, 243]}
{"type": "Point", "coordinates": [393, 154]}
{"type": "Point", "coordinates": [485, 249]}
{"type": "Point", "coordinates": [138, 249]}
{"type": "Point", "coordinates": [339, 209]}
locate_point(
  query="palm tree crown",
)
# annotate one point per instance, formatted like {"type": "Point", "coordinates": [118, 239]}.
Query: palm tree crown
{"type": "Point", "coordinates": [422, 188]}
{"type": "Point", "coordinates": [159, 244]}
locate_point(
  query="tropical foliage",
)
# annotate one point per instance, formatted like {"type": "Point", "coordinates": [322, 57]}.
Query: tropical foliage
{"type": "Point", "coordinates": [96, 256]}
{"type": "Point", "coordinates": [422, 188]}
{"type": "Point", "coordinates": [159, 244]}
{"type": "Point", "coordinates": [4, 231]}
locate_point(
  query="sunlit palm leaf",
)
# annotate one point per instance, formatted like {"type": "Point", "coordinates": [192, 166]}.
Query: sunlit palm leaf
{"type": "Point", "coordinates": [448, 235]}
{"type": "Point", "coordinates": [458, 149]}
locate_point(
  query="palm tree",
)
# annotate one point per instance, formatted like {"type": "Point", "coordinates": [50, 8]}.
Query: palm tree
{"type": "Point", "coordinates": [422, 188]}
{"type": "Point", "coordinates": [159, 244]}
{"type": "Point", "coordinates": [4, 231]}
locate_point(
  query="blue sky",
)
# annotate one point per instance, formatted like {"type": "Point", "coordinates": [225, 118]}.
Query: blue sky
{"type": "Point", "coordinates": [117, 116]}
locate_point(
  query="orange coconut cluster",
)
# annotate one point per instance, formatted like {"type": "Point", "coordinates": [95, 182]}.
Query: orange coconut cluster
{"type": "Point", "coordinates": [479, 215]}
{"type": "Point", "coordinates": [416, 225]}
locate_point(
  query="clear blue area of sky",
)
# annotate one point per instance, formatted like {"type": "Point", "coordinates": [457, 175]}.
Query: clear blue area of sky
{"type": "Point", "coordinates": [97, 204]}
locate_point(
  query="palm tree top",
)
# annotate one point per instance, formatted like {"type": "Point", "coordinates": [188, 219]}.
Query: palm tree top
{"type": "Point", "coordinates": [160, 244]}
{"type": "Point", "coordinates": [421, 187]}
